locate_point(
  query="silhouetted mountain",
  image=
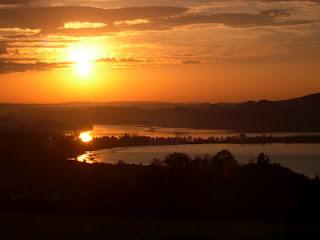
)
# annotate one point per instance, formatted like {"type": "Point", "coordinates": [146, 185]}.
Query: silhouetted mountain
{"type": "Point", "coordinates": [298, 114]}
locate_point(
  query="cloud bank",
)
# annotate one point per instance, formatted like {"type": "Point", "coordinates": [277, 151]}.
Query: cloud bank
{"type": "Point", "coordinates": [207, 30]}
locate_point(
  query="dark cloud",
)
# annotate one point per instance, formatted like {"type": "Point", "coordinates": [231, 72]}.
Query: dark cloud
{"type": "Point", "coordinates": [191, 62]}
{"type": "Point", "coordinates": [231, 19]}
{"type": "Point", "coordinates": [275, 13]}
{"type": "Point", "coordinates": [3, 48]}
{"type": "Point", "coordinates": [13, 67]}
{"type": "Point", "coordinates": [50, 19]}
{"type": "Point", "coordinates": [15, 2]}
{"type": "Point", "coordinates": [317, 1]}
{"type": "Point", "coordinates": [119, 60]}
{"type": "Point", "coordinates": [30, 64]}
{"type": "Point", "coordinates": [235, 20]}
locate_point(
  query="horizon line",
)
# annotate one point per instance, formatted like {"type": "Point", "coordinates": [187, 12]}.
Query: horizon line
{"type": "Point", "coordinates": [155, 102]}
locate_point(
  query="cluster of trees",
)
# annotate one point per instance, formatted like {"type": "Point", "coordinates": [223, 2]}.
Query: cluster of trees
{"type": "Point", "coordinates": [134, 140]}
{"type": "Point", "coordinates": [222, 160]}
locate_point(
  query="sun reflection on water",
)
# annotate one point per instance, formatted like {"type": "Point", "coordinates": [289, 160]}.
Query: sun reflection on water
{"type": "Point", "coordinates": [87, 158]}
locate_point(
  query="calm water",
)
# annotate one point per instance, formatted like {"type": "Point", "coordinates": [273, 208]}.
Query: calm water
{"type": "Point", "coordinates": [302, 158]}
{"type": "Point", "coordinates": [120, 130]}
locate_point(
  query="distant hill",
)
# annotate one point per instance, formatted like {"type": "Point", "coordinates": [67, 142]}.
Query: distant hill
{"type": "Point", "coordinates": [298, 114]}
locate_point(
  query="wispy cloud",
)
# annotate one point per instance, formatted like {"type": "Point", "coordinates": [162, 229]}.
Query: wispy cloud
{"type": "Point", "coordinates": [13, 67]}
{"type": "Point", "coordinates": [51, 19]}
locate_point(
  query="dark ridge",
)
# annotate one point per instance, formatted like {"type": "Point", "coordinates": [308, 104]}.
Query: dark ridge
{"type": "Point", "coordinates": [298, 114]}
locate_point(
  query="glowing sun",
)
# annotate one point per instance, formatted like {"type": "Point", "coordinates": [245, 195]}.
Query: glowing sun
{"type": "Point", "coordinates": [83, 66]}
{"type": "Point", "coordinates": [83, 57]}
{"type": "Point", "coordinates": [85, 137]}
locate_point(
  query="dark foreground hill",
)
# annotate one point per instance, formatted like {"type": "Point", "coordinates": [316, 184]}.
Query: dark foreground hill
{"type": "Point", "coordinates": [44, 196]}
{"type": "Point", "coordinates": [299, 114]}
{"type": "Point", "coordinates": [214, 188]}
{"type": "Point", "coordinates": [36, 177]}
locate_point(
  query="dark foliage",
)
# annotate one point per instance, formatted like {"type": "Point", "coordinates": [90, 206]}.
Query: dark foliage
{"type": "Point", "coordinates": [35, 176]}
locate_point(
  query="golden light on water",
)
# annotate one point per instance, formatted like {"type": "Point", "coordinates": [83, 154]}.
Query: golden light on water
{"type": "Point", "coordinates": [85, 137]}
{"type": "Point", "coordinates": [85, 158]}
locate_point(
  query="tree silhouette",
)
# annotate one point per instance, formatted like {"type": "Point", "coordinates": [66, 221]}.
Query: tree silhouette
{"type": "Point", "coordinates": [177, 160]}
{"type": "Point", "coordinates": [156, 162]}
{"type": "Point", "coordinates": [263, 159]}
{"type": "Point", "coordinates": [223, 159]}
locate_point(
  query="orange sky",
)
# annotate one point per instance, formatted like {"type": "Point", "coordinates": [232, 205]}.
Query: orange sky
{"type": "Point", "coordinates": [178, 51]}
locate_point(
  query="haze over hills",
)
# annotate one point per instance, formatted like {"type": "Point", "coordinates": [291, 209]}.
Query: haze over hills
{"type": "Point", "coordinates": [298, 114]}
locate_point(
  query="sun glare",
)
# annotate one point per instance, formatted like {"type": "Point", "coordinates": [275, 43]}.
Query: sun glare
{"type": "Point", "coordinates": [83, 67]}
{"type": "Point", "coordinates": [83, 57]}
{"type": "Point", "coordinates": [85, 137]}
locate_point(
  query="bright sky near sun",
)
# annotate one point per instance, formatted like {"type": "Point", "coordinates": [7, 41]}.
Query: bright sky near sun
{"type": "Point", "coordinates": [83, 56]}
{"type": "Point", "coordinates": [85, 137]}
{"type": "Point", "coordinates": [180, 51]}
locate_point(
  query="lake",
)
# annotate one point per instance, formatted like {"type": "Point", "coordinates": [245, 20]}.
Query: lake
{"type": "Point", "coordinates": [302, 158]}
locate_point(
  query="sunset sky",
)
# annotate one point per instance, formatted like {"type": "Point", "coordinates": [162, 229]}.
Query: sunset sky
{"type": "Point", "coordinates": [158, 50]}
